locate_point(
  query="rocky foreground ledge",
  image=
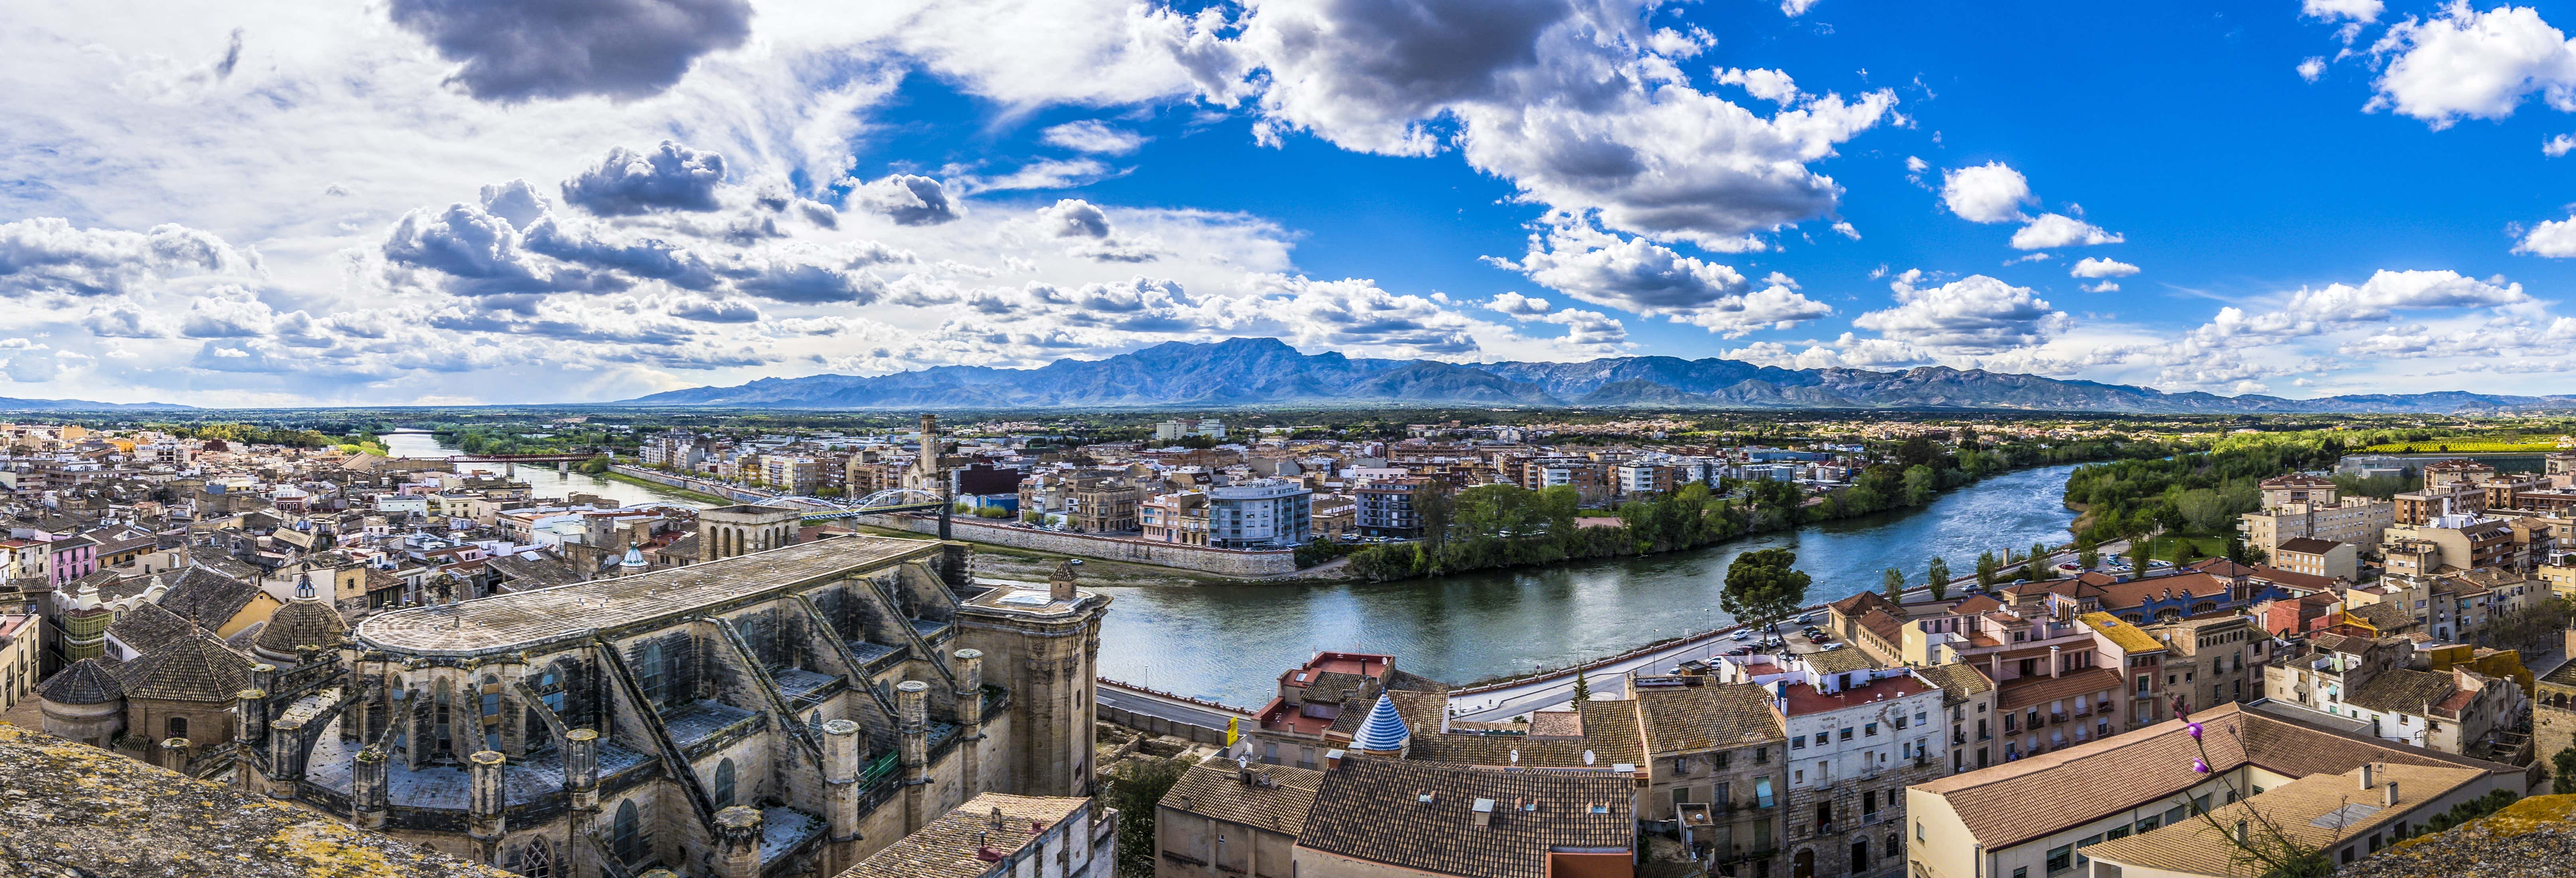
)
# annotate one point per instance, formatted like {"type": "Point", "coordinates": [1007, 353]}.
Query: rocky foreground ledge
{"type": "Point", "coordinates": [2532, 838]}
{"type": "Point", "coordinates": [74, 811]}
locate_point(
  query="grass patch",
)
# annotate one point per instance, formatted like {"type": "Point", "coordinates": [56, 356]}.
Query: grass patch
{"type": "Point", "coordinates": [2169, 547]}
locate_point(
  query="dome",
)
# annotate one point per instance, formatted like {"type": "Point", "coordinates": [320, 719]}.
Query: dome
{"type": "Point", "coordinates": [300, 624]}
{"type": "Point", "coordinates": [1383, 731]}
{"type": "Point", "coordinates": [85, 682]}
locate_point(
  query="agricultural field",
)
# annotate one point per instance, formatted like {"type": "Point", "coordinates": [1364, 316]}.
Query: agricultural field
{"type": "Point", "coordinates": [2467, 445]}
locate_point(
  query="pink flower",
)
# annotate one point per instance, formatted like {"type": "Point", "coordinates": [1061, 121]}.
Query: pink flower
{"type": "Point", "coordinates": [2198, 766]}
{"type": "Point", "coordinates": [2192, 729]}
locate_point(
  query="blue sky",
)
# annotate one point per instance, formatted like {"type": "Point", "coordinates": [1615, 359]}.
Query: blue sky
{"type": "Point", "coordinates": [288, 203]}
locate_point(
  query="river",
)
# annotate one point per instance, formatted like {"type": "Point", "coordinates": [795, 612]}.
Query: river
{"type": "Point", "coordinates": [1230, 642]}
{"type": "Point", "coordinates": [541, 477]}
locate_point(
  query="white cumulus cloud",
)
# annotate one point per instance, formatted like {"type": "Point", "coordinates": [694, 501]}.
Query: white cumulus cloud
{"type": "Point", "coordinates": [2462, 63]}
{"type": "Point", "coordinates": [2096, 267]}
{"type": "Point", "coordinates": [1989, 193]}
{"type": "Point", "coordinates": [2060, 230]}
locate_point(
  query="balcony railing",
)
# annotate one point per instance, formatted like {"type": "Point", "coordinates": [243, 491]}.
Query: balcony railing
{"type": "Point", "coordinates": [2057, 719]}
{"type": "Point", "coordinates": [1958, 739]}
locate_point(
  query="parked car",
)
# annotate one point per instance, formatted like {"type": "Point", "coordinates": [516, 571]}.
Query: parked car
{"type": "Point", "coordinates": [2071, 567]}
{"type": "Point", "coordinates": [1741, 633]}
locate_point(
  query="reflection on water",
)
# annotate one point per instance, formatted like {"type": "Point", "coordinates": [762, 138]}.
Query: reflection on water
{"type": "Point", "coordinates": [1231, 642]}
{"type": "Point", "coordinates": [541, 477]}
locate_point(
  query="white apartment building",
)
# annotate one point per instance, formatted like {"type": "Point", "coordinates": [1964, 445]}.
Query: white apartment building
{"type": "Point", "coordinates": [1858, 736]}
{"type": "Point", "coordinates": [1173, 430]}
{"type": "Point", "coordinates": [1260, 514]}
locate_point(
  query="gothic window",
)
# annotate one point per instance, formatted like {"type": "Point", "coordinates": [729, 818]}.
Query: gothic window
{"type": "Point", "coordinates": [534, 861]}
{"type": "Point", "coordinates": [178, 727]}
{"type": "Point", "coordinates": [648, 673]}
{"type": "Point", "coordinates": [626, 835]}
{"type": "Point", "coordinates": [724, 784]}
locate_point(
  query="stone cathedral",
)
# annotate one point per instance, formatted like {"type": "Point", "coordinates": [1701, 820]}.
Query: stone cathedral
{"type": "Point", "coordinates": [786, 711]}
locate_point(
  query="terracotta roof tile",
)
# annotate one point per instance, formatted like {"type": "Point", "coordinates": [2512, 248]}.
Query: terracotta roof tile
{"type": "Point", "coordinates": [1717, 716]}
{"type": "Point", "coordinates": [1213, 789]}
{"type": "Point", "coordinates": [1369, 809]}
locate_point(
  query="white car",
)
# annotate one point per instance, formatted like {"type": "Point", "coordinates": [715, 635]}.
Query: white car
{"type": "Point", "coordinates": [1741, 634]}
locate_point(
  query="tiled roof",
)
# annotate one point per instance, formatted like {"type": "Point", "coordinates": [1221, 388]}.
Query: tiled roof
{"type": "Point", "coordinates": [1371, 809]}
{"type": "Point", "coordinates": [945, 848]}
{"type": "Point", "coordinates": [2308, 545]}
{"type": "Point", "coordinates": [2399, 690]}
{"type": "Point", "coordinates": [299, 624]}
{"type": "Point", "coordinates": [147, 626]}
{"type": "Point", "coordinates": [1835, 661]}
{"type": "Point", "coordinates": [1609, 732]}
{"type": "Point", "coordinates": [196, 667]}
{"type": "Point", "coordinates": [1975, 604]}
{"type": "Point", "coordinates": [1957, 680]}
{"type": "Point", "coordinates": [1213, 789]}
{"type": "Point", "coordinates": [2017, 801]}
{"type": "Point", "coordinates": [208, 599]}
{"type": "Point", "coordinates": [85, 682]}
{"type": "Point", "coordinates": [2193, 847]}
{"type": "Point", "coordinates": [2038, 691]}
{"type": "Point", "coordinates": [2385, 616]}
{"type": "Point", "coordinates": [1718, 716]}
{"type": "Point", "coordinates": [2303, 581]}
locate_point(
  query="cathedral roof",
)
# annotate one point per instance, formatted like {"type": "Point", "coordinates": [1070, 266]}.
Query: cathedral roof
{"type": "Point", "coordinates": [300, 624]}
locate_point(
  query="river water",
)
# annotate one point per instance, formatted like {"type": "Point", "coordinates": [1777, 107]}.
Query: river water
{"type": "Point", "coordinates": [541, 477]}
{"type": "Point", "coordinates": [1230, 642]}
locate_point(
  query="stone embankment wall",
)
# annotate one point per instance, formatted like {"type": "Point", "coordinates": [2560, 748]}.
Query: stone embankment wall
{"type": "Point", "coordinates": [1228, 562]}
{"type": "Point", "coordinates": [686, 483]}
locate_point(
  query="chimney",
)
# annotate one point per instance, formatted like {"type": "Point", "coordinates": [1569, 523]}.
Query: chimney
{"type": "Point", "coordinates": [2389, 797]}
{"type": "Point", "coordinates": [1484, 811]}
{"type": "Point", "coordinates": [2240, 832]}
{"type": "Point", "coordinates": [2365, 776]}
{"type": "Point", "coordinates": [2053, 663]}
{"type": "Point", "coordinates": [1333, 758]}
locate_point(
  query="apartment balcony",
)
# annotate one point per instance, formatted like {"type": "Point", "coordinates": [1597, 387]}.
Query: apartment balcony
{"type": "Point", "coordinates": [2057, 719]}
{"type": "Point", "coordinates": [1958, 739]}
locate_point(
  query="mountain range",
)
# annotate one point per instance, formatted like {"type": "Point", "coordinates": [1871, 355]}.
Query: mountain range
{"type": "Point", "coordinates": [14, 404]}
{"type": "Point", "coordinates": [1266, 371]}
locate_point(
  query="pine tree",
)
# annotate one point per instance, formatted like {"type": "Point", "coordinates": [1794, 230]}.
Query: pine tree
{"type": "Point", "coordinates": [1937, 577]}
{"type": "Point", "coordinates": [1582, 689]}
{"type": "Point", "coordinates": [1895, 586]}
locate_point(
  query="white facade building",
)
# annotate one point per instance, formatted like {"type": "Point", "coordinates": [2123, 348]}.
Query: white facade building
{"type": "Point", "coordinates": [1260, 514]}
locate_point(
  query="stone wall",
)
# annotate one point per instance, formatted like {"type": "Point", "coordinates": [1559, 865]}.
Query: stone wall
{"type": "Point", "coordinates": [1119, 716]}
{"type": "Point", "coordinates": [686, 483]}
{"type": "Point", "coordinates": [1229, 562]}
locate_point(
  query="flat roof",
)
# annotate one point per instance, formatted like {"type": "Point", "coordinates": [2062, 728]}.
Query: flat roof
{"type": "Point", "coordinates": [548, 614]}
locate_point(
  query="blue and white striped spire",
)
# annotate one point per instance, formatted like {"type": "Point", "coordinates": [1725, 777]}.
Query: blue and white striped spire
{"type": "Point", "coordinates": [1383, 731]}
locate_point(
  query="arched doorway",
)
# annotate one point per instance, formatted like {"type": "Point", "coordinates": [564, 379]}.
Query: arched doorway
{"type": "Point", "coordinates": [1805, 864]}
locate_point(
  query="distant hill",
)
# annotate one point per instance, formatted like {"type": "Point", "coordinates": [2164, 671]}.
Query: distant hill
{"type": "Point", "coordinates": [13, 404]}
{"type": "Point", "coordinates": [1246, 371]}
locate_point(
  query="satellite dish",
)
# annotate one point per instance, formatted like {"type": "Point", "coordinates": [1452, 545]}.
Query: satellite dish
{"type": "Point", "coordinates": [1516, 756]}
{"type": "Point", "coordinates": [1587, 757]}
{"type": "Point", "coordinates": [1241, 761]}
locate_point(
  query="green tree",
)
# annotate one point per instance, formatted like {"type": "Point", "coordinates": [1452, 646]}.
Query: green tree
{"type": "Point", "coordinates": [1937, 577]}
{"type": "Point", "coordinates": [2236, 550]}
{"type": "Point", "coordinates": [1764, 587]}
{"type": "Point", "coordinates": [1895, 586]}
{"type": "Point", "coordinates": [2562, 770]}
{"type": "Point", "coordinates": [1987, 569]}
{"type": "Point", "coordinates": [2140, 547]}
{"type": "Point", "coordinates": [1920, 483]}
{"type": "Point", "coordinates": [1582, 688]}
{"type": "Point", "coordinates": [2087, 555]}
{"type": "Point", "coordinates": [1134, 787]}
